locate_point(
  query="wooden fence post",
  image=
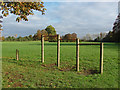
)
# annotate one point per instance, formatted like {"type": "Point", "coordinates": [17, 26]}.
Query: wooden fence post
{"type": "Point", "coordinates": [17, 54]}
{"type": "Point", "coordinates": [77, 54]}
{"type": "Point", "coordinates": [101, 58]}
{"type": "Point", "coordinates": [58, 50]}
{"type": "Point", "coordinates": [42, 48]}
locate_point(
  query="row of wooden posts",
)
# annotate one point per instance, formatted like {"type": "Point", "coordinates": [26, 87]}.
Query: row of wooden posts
{"type": "Point", "coordinates": [77, 52]}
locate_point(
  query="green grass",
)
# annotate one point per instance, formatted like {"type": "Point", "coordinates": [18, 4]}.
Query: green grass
{"type": "Point", "coordinates": [30, 72]}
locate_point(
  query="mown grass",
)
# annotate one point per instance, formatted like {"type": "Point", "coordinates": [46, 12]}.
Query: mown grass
{"type": "Point", "coordinates": [30, 72]}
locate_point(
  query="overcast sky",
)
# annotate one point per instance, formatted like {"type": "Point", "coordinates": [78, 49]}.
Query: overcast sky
{"type": "Point", "coordinates": [68, 17]}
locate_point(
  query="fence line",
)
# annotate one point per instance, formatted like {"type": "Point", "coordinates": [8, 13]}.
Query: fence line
{"type": "Point", "coordinates": [77, 52]}
{"type": "Point", "coordinates": [89, 44]}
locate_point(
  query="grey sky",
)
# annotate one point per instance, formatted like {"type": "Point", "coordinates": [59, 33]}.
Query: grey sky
{"type": "Point", "coordinates": [68, 17]}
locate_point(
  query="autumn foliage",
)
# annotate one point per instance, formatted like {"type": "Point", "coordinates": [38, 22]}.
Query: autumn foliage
{"type": "Point", "coordinates": [21, 9]}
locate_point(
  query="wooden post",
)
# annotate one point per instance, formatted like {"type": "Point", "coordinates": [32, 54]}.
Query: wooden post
{"type": "Point", "coordinates": [17, 54]}
{"type": "Point", "coordinates": [77, 54]}
{"type": "Point", "coordinates": [58, 51]}
{"type": "Point", "coordinates": [42, 48]}
{"type": "Point", "coordinates": [101, 58]}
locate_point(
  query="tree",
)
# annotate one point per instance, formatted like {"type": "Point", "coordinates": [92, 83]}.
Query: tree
{"type": "Point", "coordinates": [0, 24]}
{"type": "Point", "coordinates": [0, 28]}
{"type": "Point", "coordinates": [114, 35]}
{"type": "Point", "coordinates": [9, 38]}
{"type": "Point", "coordinates": [116, 29]}
{"type": "Point", "coordinates": [84, 38]}
{"type": "Point", "coordinates": [69, 37]}
{"type": "Point", "coordinates": [1, 18]}
{"type": "Point", "coordinates": [39, 34]}
{"type": "Point", "coordinates": [102, 35]}
{"type": "Point", "coordinates": [97, 39]}
{"type": "Point", "coordinates": [74, 36]}
{"type": "Point", "coordinates": [15, 35]}
{"type": "Point", "coordinates": [3, 38]}
{"type": "Point", "coordinates": [30, 37]}
{"type": "Point", "coordinates": [45, 33]}
{"type": "Point", "coordinates": [35, 37]}
{"type": "Point", "coordinates": [88, 37]}
{"type": "Point", "coordinates": [26, 38]}
{"type": "Point", "coordinates": [12, 38]}
{"type": "Point", "coordinates": [51, 30]}
{"type": "Point", "coordinates": [94, 36]}
{"type": "Point", "coordinates": [21, 9]}
{"type": "Point", "coordinates": [19, 38]}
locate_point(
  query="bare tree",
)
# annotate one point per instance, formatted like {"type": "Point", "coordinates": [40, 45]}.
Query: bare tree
{"type": "Point", "coordinates": [88, 37]}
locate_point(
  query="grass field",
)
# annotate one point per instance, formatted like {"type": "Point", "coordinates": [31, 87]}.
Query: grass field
{"type": "Point", "coordinates": [30, 72]}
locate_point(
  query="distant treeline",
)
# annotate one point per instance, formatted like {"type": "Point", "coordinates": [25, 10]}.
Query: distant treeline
{"type": "Point", "coordinates": [111, 36]}
{"type": "Point", "coordinates": [114, 35]}
{"type": "Point", "coordinates": [49, 31]}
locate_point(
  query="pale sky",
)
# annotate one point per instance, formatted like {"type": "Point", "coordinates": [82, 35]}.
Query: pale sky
{"type": "Point", "coordinates": [67, 17]}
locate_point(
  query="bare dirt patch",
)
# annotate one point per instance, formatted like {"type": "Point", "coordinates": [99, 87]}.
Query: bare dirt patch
{"type": "Point", "coordinates": [68, 68]}
{"type": "Point", "coordinates": [88, 72]}
{"type": "Point", "coordinates": [49, 65]}
{"type": "Point", "coordinates": [52, 66]}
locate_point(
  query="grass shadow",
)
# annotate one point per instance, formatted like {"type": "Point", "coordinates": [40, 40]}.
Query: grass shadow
{"type": "Point", "coordinates": [88, 72]}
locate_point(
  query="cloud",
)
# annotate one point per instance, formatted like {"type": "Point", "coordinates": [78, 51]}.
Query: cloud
{"type": "Point", "coordinates": [69, 17]}
{"type": "Point", "coordinates": [86, 17]}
